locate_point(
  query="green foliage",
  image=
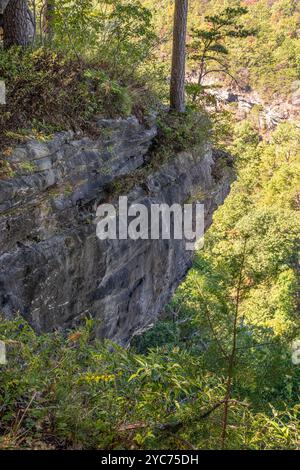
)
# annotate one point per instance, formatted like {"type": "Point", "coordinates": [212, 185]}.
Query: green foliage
{"type": "Point", "coordinates": [259, 223]}
{"type": "Point", "coordinates": [208, 48]}
{"type": "Point", "coordinates": [48, 92]}
{"type": "Point", "coordinates": [74, 392]}
{"type": "Point", "coordinates": [94, 63]}
{"type": "Point", "coordinates": [268, 60]}
{"type": "Point", "coordinates": [116, 32]}
{"type": "Point", "coordinates": [70, 391]}
{"type": "Point", "coordinates": [179, 132]}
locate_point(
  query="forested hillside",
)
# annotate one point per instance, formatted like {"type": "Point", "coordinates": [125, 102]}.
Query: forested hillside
{"type": "Point", "coordinates": [268, 60]}
{"type": "Point", "coordinates": [220, 368]}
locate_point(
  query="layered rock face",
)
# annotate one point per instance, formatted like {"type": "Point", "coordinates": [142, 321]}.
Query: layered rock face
{"type": "Point", "coordinates": [54, 271]}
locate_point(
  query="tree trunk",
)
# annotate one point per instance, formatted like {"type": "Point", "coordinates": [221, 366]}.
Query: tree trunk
{"type": "Point", "coordinates": [177, 92]}
{"type": "Point", "coordinates": [3, 5]}
{"type": "Point", "coordinates": [18, 24]}
{"type": "Point", "coordinates": [48, 18]}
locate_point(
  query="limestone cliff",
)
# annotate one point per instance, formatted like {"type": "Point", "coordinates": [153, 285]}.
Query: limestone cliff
{"type": "Point", "coordinates": [54, 271]}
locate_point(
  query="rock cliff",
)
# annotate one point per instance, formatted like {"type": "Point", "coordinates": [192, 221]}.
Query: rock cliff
{"type": "Point", "coordinates": [268, 114]}
{"type": "Point", "coordinates": [54, 271]}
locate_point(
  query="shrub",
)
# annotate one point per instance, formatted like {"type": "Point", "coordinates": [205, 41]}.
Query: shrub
{"type": "Point", "coordinates": [48, 92]}
{"type": "Point", "coordinates": [71, 391]}
{"type": "Point", "coordinates": [117, 32]}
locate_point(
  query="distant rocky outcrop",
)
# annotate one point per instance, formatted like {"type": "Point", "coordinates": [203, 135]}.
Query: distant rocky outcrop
{"type": "Point", "coordinates": [269, 114]}
{"type": "Point", "coordinates": [54, 271]}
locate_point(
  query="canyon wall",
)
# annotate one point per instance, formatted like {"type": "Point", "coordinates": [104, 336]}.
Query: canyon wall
{"type": "Point", "coordinates": [54, 271]}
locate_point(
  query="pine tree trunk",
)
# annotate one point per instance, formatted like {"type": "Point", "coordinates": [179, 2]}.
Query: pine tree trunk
{"type": "Point", "coordinates": [48, 18]}
{"type": "Point", "coordinates": [3, 5]}
{"type": "Point", "coordinates": [18, 24]}
{"type": "Point", "coordinates": [177, 92]}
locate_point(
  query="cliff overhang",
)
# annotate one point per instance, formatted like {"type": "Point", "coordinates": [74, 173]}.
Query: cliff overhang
{"type": "Point", "coordinates": [54, 271]}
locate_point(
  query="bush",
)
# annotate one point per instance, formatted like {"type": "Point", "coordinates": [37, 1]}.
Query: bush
{"type": "Point", "coordinates": [48, 92]}
{"type": "Point", "coordinates": [88, 66]}
{"type": "Point", "coordinates": [179, 132]}
{"type": "Point", "coordinates": [69, 391]}
{"type": "Point", "coordinates": [116, 32]}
